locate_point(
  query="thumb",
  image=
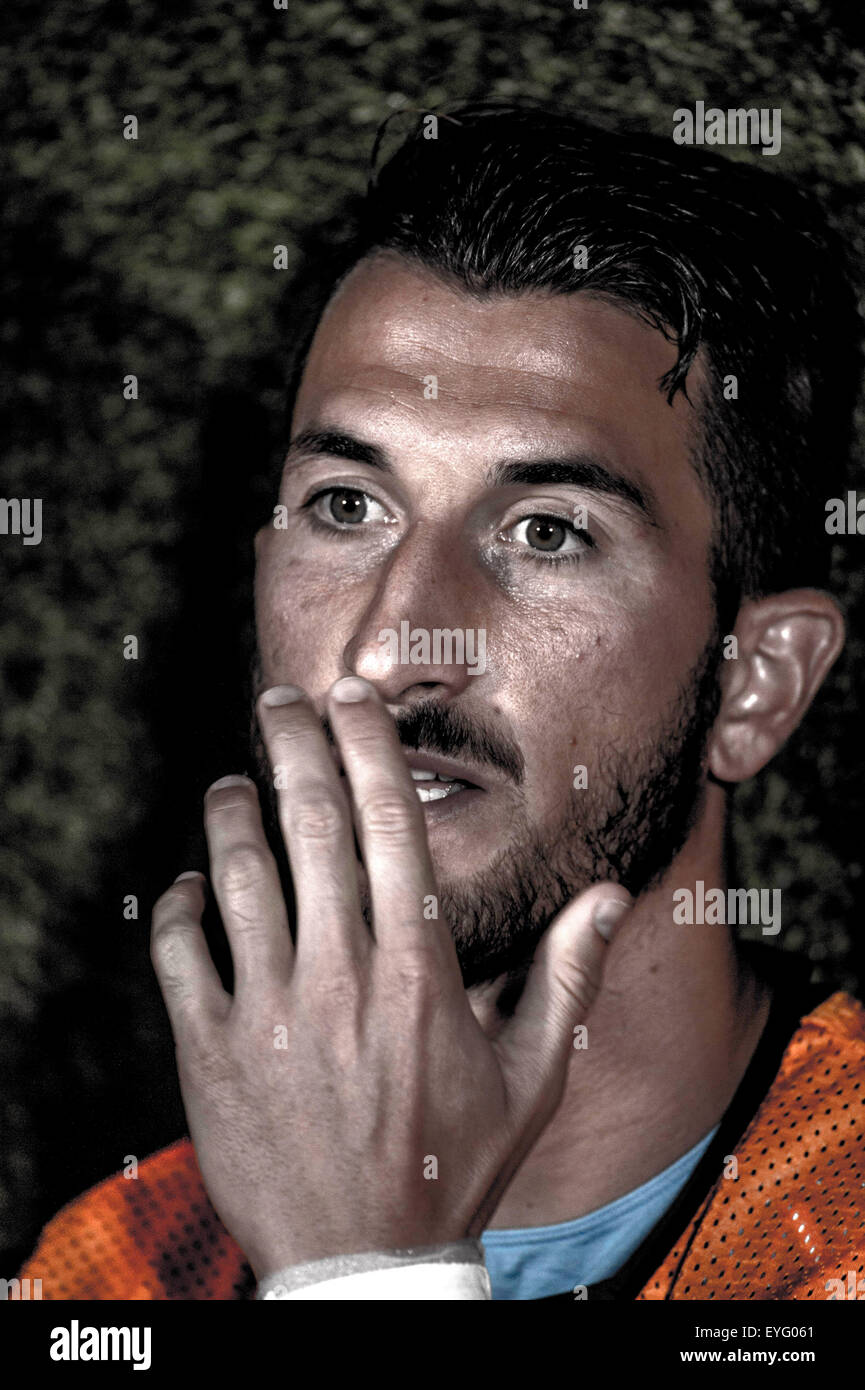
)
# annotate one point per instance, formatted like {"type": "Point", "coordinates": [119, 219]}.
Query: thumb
{"type": "Point", "coordinates": [562, 985]}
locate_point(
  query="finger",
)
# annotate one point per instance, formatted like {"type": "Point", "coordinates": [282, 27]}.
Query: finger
{"type": "Point", "coordinates": [562, 985]}
{"type": "Point", "coordinates": [390, 822]}
{"type": "Point", "coordinates": [187, 976]}
{"type": "Point", "coordinates": [315, 819]}
{"type": "Point", "coordinates": [246, 883]}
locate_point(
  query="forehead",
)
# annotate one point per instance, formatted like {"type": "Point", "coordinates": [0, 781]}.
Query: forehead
{"type": "Point", "coordinates": [512, 371]}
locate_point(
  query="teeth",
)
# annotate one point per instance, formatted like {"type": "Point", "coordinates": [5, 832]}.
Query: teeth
{"type": "Point", "coordinates": [434, 786]}
{"type": "Point", "coordinates": [439, 792]}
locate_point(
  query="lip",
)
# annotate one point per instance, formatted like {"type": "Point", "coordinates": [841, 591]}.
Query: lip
{"type": "Point", "coordinates": [447, 768]}
{"type": "Point", "coordinates": [449, 806]}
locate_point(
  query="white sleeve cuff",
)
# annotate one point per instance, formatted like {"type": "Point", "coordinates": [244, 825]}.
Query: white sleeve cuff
{"type": "Point", "coordinates": [434, 1273]}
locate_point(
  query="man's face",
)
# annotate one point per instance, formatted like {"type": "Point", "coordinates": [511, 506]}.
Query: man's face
{"type": "Point", "coordinates": [503, 466]}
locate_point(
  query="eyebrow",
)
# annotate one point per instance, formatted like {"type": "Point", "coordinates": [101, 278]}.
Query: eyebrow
{"type": "Point", "coordinates": [575, 470]}
{"type": "Point", "coordinates": [324, 443]}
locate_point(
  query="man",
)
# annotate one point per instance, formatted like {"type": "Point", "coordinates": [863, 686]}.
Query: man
{"type": "Point", "coordinates": [542, 584]}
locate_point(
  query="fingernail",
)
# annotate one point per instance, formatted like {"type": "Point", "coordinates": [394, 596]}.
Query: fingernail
{"type": "Point", "coordinates": [234, 780]}
{"type": "Point", "coordinates": [351, 690]}
{"type": "Point", "coordinates": [281, 695]}
{"type": "Point", "coordinates": [191, 873]}
{"type": "Point", "coordinates": [607, 916]}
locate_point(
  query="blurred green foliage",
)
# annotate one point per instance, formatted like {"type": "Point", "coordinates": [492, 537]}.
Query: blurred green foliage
{"type": "Point", "coordinates": [155, 257]}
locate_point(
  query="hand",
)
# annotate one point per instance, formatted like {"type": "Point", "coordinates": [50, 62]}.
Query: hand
{"type": "Point", "coordinates": [345, 1071]}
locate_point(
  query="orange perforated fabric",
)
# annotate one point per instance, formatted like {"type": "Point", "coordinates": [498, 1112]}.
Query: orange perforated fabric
{"type": "Point", "coordinates": [793, 1219]}
{"type": "Point", "coordinates": [789, 1222]}
{"type": "Point", "coordinates": [151, 1237]}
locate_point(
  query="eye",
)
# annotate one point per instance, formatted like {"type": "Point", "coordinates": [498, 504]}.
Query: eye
{"type": "Point", "coordinates": [345, 507]}
{"type": "Point", "coordinates": [550, 535]}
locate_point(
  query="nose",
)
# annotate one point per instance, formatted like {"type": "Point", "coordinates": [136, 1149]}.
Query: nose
{"type": "Point", "coordinates": [420, 633]}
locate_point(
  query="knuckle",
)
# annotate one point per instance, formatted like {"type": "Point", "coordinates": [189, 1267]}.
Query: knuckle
{"type": "Point", "coordinates": [367, 742]}
{"type": "Point", "coordinates": [412, 978]}
{"type": "Point", "coordinates": [580, 984]}
{"type": "Point", "coordinates": [337, 988]}
{"type": "Point", "coordinates": [316, 817]}
{"type": "Point", "coordinates": [171, 912]}
{"type": "Point", "coordinates": [244, 868]}
{"type": "Point", "coordinates": [203, 1060]}
{"type": "Point", "coordinates": [293, 728]}
{"type": "Point", "coordinates": [166, 949]}
{"type": "Point", "coordinates": [413, 974]}
{"type": "Point", "coordinates": [389, 815]}
{"type": "Point", "coordinates": [337, 996]}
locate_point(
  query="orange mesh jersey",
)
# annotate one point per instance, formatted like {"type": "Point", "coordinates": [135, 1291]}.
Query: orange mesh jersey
{"type": "Point", "coordinates": [786, 1219]}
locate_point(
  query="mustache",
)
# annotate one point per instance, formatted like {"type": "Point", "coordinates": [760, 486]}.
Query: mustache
{"type": "Point", "coordinates": [436, 728]}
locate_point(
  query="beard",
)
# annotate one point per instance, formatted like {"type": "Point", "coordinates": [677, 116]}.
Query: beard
{"type": "Point", "coordinates": [626, 826]}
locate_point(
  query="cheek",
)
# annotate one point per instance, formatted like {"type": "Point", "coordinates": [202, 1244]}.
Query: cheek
{"type": "Point", "coordinates": [548, 667]}
{"type": "Point", "coordinates": [299, 643]}
{"type": "Point", "coordinates": [579, 683]}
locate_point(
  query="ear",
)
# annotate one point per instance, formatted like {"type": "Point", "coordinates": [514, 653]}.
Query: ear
{"type": "Point", "coordinates": [785, 646]}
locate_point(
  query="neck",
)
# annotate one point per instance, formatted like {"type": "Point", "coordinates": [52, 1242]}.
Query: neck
{"type": "Point", "coordinates": [669, 1039]}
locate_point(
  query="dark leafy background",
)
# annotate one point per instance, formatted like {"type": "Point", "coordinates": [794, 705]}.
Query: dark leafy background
{"type": "Point", "coordinates": [155, 257]}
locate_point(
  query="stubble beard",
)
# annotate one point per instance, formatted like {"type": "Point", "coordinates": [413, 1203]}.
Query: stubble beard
{"type": "Point", "coordinates": [626, 826]}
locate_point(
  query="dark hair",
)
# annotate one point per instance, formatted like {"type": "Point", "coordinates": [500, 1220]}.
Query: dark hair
{"type": "Point", "coordinates": [716, 254]}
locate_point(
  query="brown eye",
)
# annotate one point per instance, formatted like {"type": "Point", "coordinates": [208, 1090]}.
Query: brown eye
{"type": "Point", "coordinates": [545, 533]}
{"type": "Point", "coordinates": [343, 509]}
{"type": "Point", "coordinates": [347, 506]}
{"type": "Point", "coordinates": [550, 535]}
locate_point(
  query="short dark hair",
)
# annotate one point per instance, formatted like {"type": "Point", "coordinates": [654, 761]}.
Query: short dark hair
{"type": "Point", "coordinates": [716, 254]}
